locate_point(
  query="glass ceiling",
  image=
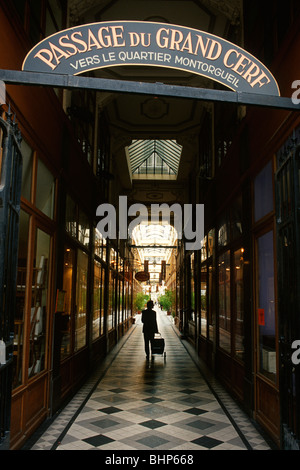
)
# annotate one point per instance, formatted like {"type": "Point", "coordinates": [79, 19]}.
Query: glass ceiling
{"type": "Point", "coordinates": [155, 235]}
{"type": "Point", "coordinates": [154, 157]}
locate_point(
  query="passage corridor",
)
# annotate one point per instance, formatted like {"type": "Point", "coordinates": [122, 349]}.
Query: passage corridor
{"type": "Point", "coordinates": [163, 404]}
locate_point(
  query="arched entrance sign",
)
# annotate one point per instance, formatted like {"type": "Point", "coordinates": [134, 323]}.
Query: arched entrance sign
{"type": "Point", "coordinates": [97, 45]}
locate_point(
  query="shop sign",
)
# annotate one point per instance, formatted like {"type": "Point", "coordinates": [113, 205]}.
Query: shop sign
{"type": "Point", "coordinates": [142, 276]}
{"type": "Point", "coordinates": [94, 46]}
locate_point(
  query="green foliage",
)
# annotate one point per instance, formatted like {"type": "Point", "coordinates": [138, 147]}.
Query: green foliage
{"type": "Point", "coordinates": [167, 301]}
{"type": "Point", "coordinates": [141, 300]}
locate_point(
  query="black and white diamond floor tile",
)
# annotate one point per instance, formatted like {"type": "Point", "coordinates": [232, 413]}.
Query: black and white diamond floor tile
{"type": "Point", "coordinates": [163, 404]}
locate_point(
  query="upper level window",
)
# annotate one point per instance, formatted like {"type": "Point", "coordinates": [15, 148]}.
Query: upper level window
{"type": "Point", "coordinates": [41, 18]}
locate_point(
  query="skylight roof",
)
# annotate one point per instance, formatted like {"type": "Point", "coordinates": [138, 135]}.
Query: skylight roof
{"type": "Point", "coordinates": [154, 157]}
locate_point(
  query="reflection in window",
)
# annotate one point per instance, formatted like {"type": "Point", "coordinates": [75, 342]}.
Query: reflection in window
{"type": "Point", "coordinates": [100, 245]}
{"type": "Point", "coordinates": [45, 189]}
{"type": "Point", "coordinates": [20, 300]}
{"type": "Point", "coordinates": [81, 300]}
{"type": "Point", "coordinates": [98, 312]}
{"type": "Point", "coordinates": [39, 300]}
{"type": "Point", "coordinates": [223, 232]}
{"type": "Point", "coordinates": [71, 217]}
{"type": "Point", "coordinates": [192, 293]}
{"type": "Point", "coordinates": [266, 306]}
{"type": "Point", "coordinates": [224, 302]}
{"type": "Point", "coordinates": [210, 301]}
{"type": "Point", "coordinates": [239, 302]}
{"type": "Point", "coordinates": [27, 154]}
{"type": "Point", "coordinates": [69, 256]}
{"type": "Point", "coordinates": [83, 229]}
{"type": "Point", "coordinates": [203, 301]}
{"type": "Point", "coordinates": [111, 299]}
{"type": "Point", "coordinates": [263, 192]}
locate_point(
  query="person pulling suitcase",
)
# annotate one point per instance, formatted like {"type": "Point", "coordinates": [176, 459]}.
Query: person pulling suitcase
{"type": "Point", "coordinates": [150, 326]}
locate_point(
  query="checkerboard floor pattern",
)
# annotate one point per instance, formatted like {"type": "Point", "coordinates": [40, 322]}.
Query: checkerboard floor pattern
{"type": "Point", "coordinates": [162, 404]}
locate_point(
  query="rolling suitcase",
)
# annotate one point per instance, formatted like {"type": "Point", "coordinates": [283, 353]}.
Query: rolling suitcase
{"type": "Point", "coordinates": [158, 345]}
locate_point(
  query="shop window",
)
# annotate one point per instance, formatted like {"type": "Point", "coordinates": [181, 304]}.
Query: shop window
{"type": "Point", "coordinates": [83, 229]}
{"type": "Point", "coordinates": [210, 301]}
{"type": "Point", "coordinates": [45, 190]}
{"type": "Point", "coordinates": [111, 300]}
{"type": "Point", "coordinates": [203, 301]}
{"type": "Point", "coordinates": [40, 18]}
{"type": "Point", "coordinates": [224, 231]}
{"type": "Point", "coordinates": [39, 303]}
{"type": "Point", "coordinates": [224, 302]}
{"type": "Point", "coordinates": [19, 321]}
{"type": "Point", "coordinates": [263, 192]}
{"type": "Point", "coordinates": [68, 273]}
{"type": "Point", "coordinates": [71, 217]}
{"type": "Point", "coordinates": [100, 245]}
{"type": "Point", "coordinates": [192, 287]}
{"type": "Point", "coordinates": [54, 17]}
{"type": "Point", "coordinates": [98, 307]}
{"type": "Point", "coordinates": [27, 154]}
{"type": "Point", "coordinates": [81, 300]}
{"type": "Point", "coordinates": [238, 298]}
{"type": "Point", "coordinates": [266, 306]}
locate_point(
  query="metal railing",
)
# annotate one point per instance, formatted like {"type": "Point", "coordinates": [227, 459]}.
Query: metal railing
{"type": "Point", "coordinates": [10, 195]}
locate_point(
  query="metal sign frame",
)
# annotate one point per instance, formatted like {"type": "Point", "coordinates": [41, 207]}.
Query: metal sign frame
{"type": "Point", "coordinates": [16, 77]}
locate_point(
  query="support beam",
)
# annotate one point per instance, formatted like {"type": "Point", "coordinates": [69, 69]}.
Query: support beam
{"type": "Point", "coordinates": [15, 77]}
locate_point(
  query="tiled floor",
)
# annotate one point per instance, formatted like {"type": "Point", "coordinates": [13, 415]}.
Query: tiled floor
{"type": "Point", "coordinates": [163, 404]}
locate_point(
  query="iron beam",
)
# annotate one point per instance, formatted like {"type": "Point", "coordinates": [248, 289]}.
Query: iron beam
{"type": "Point", "coordinates": [154, 246]}
{"type": "Point", "coordinates": [16, 77]}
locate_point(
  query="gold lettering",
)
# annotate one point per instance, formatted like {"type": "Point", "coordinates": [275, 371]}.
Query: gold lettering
{"type": "Point", "coordinates": [226, 57]}
{"type": "Point", "coordinates": [249, 75]}
{"type": "Point", "coordinates": [103, 43]}
{"type": "Point", "coordinates": [200, 43]}
{"type": "Point", "coordinates": [79, 41]}
{"type": "Point", "coordinates": [188, 45]}
{"type": "Point", "coordinates": [241, 64]}
{"type": "Point", "coordinates": [116, 36]}
{"type": "Point", "coordinates": [259, 80]}
{"type": "Point", "coordinates": [92, 41]}
{"type": "Point", "coordinates": [134, 39]}
{"type": "Point", "coordinates": [212, 50]}
{"type": "Point", "coordinates": [175, 43]}
{"type": "Point", "coordinates": [69, 45]}
{"type": "Point", "coordinates": [165, 39]}
{"type": "Point", "coordinates": [56, 50]}
{"type": "Point", "coordinates": [40, 55]}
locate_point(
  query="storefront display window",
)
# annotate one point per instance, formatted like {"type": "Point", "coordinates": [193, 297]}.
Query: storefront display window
{"type": "Point", "coordinates": [83, 229]}
{"type": "Point", "coordinates": [19, 321]}
{"type": "Point", "coordinates": [27, 154]}
{"type": "Point", "coordinates": [45, 190]}
{"type": "Point", "coordinates": [71, 217]}
{"type": "Point", "coordinates": [224, 302]}
{"type": "Point", "coordinates": [238, 263]}
{"type": "Point", "coordinates": [266, 306]}
{"type": "Point", "coordinates": [81, 300]}
{"type": "Point", "coordinates": [203, 301]}
{"type": "Point", "coordinates": [263, 192]}
{"type": "Point", "coordinates": [39, 303]}
{"type": "Point", "coordinates": [69, 260]}
{"type": "Point", "coordinates": [98, 307]}
{"type": "Point", "coordinates": [192, 291]}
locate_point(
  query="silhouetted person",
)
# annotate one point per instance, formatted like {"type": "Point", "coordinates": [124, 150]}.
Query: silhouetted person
{"type": "Point", "coordinates": [150, 326]}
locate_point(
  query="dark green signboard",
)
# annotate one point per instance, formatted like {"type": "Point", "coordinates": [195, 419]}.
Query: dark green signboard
{"type": "Point", "coordinates": [97, 45]}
